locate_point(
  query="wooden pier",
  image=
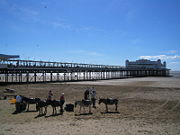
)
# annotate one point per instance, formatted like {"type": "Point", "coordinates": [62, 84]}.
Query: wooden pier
{"type": "Point", "coordinates": [28, 71]}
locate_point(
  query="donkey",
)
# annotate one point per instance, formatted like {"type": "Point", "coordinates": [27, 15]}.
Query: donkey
{"type": "Point", "coordinates": [54, 104]}
{"type": "Point", "coordinates": [40, 105]}
{"type": "Point", "coordinates": [109, 101]}
{"type": "Point", "coordinates": [30, 101]}
{"type": "Point", "coordinates": [83, 103]}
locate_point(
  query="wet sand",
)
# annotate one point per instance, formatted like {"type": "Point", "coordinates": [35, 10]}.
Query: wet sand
{"type": "Point", "coordinates": [148, 105]}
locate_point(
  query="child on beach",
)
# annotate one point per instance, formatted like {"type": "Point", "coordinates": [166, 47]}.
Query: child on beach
{"type": "Point", "coordinates": [50, 95]}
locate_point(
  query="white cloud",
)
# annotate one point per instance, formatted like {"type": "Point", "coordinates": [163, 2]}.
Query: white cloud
{"type": "Point", "coordinates": [174, 62]}
{"type": "Point", "coordinates": [163, 57]}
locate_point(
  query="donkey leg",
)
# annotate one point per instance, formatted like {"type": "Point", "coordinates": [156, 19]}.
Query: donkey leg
{"type": "Point", "coordinates": [27, 107]}
{"type": "Point", "coordinates": [39, 111]}
{"type": "Point", "coordinates": [90, 109]}
{"type": "Point", "coordinates": [45, 109]}
{"type": "Point", "coordinates": [55, 111]}
{"type": "Point", "coordinates": [42, 111]}
{"type": "Point", "coordinates": [116, 107]}
{"type": "Point", "coordinates": [80, 109]}
{"type": "Point", "coordinates": [106, 108]}
{"type": "Point", "coordinates": [84, 109]}
{"type": "Point", "coordinates": [36, 107]}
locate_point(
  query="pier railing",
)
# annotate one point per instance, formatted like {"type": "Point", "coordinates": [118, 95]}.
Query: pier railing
{"type": "Point", "coordinates": [26, 71]}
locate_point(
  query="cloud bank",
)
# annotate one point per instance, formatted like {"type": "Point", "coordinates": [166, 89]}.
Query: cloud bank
{"type": "Point", "coordinates": [162, 57]}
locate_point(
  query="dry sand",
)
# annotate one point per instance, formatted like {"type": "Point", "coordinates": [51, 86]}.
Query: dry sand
{"type": "Point", "coordinates": [148, 106]}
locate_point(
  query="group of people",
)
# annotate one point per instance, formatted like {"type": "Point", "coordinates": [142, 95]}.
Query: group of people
{"type": "Point", "coordinates": [62, 99]}
{"type": "Point", "coordinates": [90, 94]}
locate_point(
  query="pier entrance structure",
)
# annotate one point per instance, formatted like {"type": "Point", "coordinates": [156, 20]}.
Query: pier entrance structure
{"type": "Point", "coordinates": [28, 71]}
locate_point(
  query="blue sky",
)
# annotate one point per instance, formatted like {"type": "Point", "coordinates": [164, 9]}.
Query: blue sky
{"type": "Point", "coordinates": [91, 31]}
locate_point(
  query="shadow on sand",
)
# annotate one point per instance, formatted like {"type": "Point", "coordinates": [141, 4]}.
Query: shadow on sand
{"type": "Point", "coordinates": [17, 112]}
{"type": "Point", "coordinates": [40, 115]}
{"type": "Point", "coordinates": [47, 116]}
{"type": "Point", "coordinates": [83, 114]}
{"type": "Point", "coordinates": [30, 111]}
{"type": "Point", "coordinates": [53, 115]}
{"type": "Point", "coordinates": [110, 112]}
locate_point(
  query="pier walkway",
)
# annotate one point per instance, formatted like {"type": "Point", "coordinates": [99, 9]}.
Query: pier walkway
{"type": "Point", "coordinates": [28, 71]}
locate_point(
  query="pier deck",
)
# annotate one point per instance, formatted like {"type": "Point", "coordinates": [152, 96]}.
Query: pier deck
{"type": "Point", "coordinates": [28, 71]}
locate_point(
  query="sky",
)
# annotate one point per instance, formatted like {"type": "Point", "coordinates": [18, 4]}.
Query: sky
{"type": "Point", "coordinates": [91, 31]}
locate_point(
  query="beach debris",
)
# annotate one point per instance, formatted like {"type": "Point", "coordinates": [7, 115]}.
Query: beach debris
{"type": "Point", "coordinates": [9, 90]}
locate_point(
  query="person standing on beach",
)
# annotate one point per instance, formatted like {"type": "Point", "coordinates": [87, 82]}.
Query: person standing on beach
{"type": "Point", "coordinates": [86, 94]}
{"type": "Point", "coordinates": [62, 101]}
{"type": "Point", "coordinates": [18, 103]}
{"type": "Point", "coordinates": [93, 97]}
{"type": "Point", "coordinates": [50, 96]}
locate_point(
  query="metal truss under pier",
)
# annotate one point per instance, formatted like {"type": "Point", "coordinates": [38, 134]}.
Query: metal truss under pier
{"type": "Point", "coordinates": [27, 71]}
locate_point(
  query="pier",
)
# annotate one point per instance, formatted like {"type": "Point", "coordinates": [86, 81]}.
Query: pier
{"type": "Point", "coordinates": [29, 71]}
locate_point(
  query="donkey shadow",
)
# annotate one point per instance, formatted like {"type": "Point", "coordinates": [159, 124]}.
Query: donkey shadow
{"type": "Point", "coordinates": [53, 115]}
{"type": "Point", "coordinates": [110, 112]}
{"type": "Point", "coordinates": [83, 114]}
{"type": "Point", "coordinates": [17, 112]}
{"type": "Point", "coordinates": [30, 111]}
{"type": "Point", "coordinates": [40, 115]}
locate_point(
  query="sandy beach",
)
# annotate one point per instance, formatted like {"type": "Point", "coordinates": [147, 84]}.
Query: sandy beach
{"type": "Point", "coordinates": [148, 106]}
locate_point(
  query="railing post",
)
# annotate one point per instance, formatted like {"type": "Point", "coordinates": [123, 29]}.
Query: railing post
{"type": "Point", "coordinates": [27, 77]}
{"type": "Point", "coordinates": [35, 76]}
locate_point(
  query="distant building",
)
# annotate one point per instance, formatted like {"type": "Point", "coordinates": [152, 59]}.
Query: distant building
{"type": "Point", "coordinates": [146, 64]}
{"type": "Point", "coordinates": [8, 57]}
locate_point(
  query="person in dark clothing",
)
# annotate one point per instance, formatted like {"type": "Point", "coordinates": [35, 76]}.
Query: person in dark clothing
{"type": "Point", "coordinates": [93, 97]}
{"type": "Point", "coordinates": [50, 95]}
{"type": "Point", "coordinates": [18, 103]}
{"type": "Point", "coordinates": [62, 101]}
{"type": "Point", "coordinates": [86, 94]}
